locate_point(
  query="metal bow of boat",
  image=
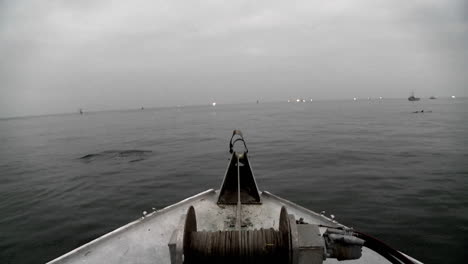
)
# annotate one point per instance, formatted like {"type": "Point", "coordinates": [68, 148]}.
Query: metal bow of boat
{"type": "Point", "coordinates": [236, 224]}
{"type": "Point", "coordinates": [293, 242]}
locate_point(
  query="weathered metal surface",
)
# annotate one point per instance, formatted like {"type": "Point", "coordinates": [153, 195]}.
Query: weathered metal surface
{"type": "Point", "coordinates": [146, 240]}
{"type": "Point", "coordinates": [239, 178]}
{"type": "Point", "coordinates": [311, 246]}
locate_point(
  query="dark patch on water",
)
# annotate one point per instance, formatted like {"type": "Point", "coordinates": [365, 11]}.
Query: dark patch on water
{"type": "Point", "coordinates": [132, 155]}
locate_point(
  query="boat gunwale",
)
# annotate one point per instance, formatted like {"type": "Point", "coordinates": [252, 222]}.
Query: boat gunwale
{"type": "Point", "coordinates": [301, 208]}
{"type": "Point", "coordinates": [148, 217]}
{"type": "Point", "coordinates": [128, 226]}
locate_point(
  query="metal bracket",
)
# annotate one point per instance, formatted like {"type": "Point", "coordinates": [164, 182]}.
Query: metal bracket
{"type": "Point", "coordinates": [239, 178]}
{"type": "Point", "coordinates": [239, 184]}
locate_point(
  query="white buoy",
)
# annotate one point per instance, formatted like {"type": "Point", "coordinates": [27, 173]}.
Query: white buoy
{"type": "Point", "coordinates": [453, 97]}
{"type": "Point", "coordinates": [214, 103]}
{"type": "Point", "coordinates": [354, 99]}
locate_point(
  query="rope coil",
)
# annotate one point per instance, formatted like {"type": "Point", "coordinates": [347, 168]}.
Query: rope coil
{"type": "Point", "coordinates": [259, 246]}
{"type": "Point", "coordinates": [256, 246]}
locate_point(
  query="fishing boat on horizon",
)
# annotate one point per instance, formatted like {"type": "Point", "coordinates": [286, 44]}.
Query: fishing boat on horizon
{"type": "Point", "coordinates": [412, 98]}
{"type": "Point", "coordinates": [235, 224]}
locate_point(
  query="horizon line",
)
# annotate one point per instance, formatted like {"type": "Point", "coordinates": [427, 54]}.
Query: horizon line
{"type": "Point", "coordinates": [210, 105]}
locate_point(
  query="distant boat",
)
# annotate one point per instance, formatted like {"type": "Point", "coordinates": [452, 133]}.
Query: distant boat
{"type": "Point", "coordinates": [81, 111]}
{"type": "Point", "coordinates": [432, 97]}
{"type": "Point", "coordinates": [412, 98]}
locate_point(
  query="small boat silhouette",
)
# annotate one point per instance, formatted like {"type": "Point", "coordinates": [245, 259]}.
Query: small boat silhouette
{"type": "Point", "coordinates": [412, 98]}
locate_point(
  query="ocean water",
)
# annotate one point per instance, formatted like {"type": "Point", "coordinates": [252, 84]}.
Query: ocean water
{"type": "Point", "coordinates": [378, 167]}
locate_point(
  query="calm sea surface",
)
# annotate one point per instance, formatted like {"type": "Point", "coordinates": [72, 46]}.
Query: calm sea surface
{"type": "Point", "coordinates": [375, 165]}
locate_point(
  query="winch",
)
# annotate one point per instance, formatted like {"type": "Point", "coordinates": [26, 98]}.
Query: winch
{"type": "Point", "coordinates": [294, 242]}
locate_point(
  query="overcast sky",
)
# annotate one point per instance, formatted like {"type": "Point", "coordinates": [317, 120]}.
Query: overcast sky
{"type": "Point", "coordinates": [60, 55]}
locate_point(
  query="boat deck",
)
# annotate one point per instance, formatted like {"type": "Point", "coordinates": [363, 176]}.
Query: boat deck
{"type": "Point", "coordinates": [146, 239]}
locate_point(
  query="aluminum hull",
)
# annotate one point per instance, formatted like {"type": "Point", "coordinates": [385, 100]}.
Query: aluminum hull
{"type": "Point", "coordinates": [146, 240]}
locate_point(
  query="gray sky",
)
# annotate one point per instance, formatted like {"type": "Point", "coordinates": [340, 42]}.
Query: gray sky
{"type": "Point", "coordinates": [61, 55]}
